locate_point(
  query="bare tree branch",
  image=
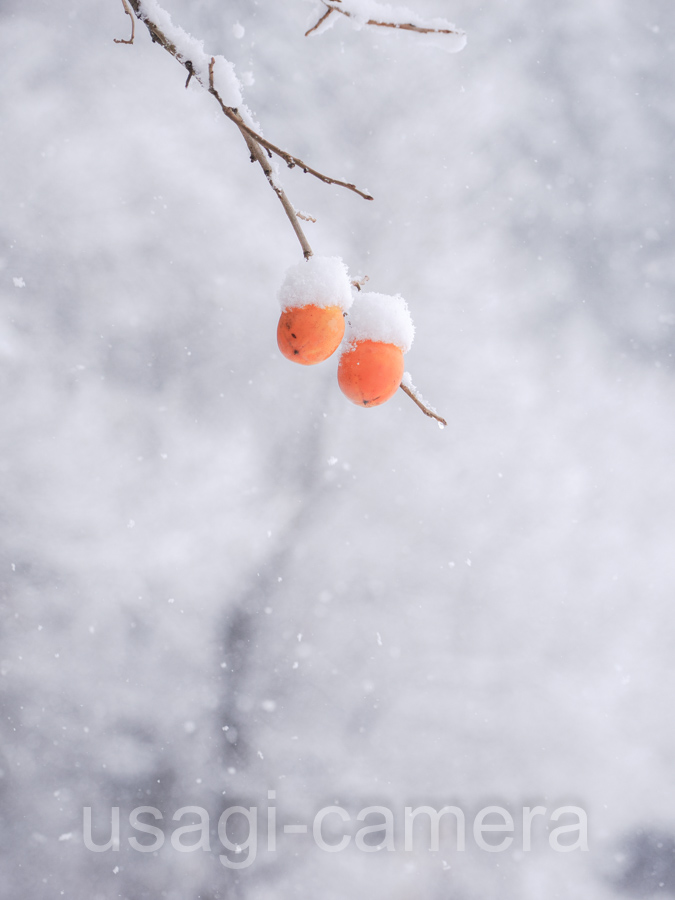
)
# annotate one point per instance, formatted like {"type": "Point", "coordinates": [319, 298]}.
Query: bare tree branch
{"type": "Point", "coordinates": [291, 161]}
{"type": "Point", "coordinates": [248, 134]}
{"type": "Point", "coordinates": [127, 10]}
{"type": "Point", "coordinates": [403, 26]}
{"type": "Point", "coordinates": [160, 38]}
{"type": "Point", "coordinates": [411, 391]}
{"type": "Point", "coordinates": [258, 156]}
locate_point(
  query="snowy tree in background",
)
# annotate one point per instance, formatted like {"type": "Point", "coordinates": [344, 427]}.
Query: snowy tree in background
{"type": "Point", "coordinates": [219, 579]}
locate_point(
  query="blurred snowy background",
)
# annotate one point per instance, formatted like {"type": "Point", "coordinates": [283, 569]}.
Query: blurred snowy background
{"type": "Point", "coordinates": [179, 503]}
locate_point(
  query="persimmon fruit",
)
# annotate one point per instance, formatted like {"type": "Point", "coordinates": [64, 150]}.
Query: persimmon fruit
{"type": "Point", "coordinates": [310, 334]}
{"type": "Point", "coordinates": [370, 372]}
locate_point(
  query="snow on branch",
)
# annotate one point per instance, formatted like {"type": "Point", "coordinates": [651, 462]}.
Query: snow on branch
{"type": "Point", "coordinates": [382, 15]}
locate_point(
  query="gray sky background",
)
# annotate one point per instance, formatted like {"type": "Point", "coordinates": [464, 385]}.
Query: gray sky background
{"type": "Point", "coordinates": [486, 611]}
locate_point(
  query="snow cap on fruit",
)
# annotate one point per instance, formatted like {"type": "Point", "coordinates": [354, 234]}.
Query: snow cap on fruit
{"type": "Point", "coordinates": [320, 281]}
{"type": "Point", "coordinates": [381, 317]}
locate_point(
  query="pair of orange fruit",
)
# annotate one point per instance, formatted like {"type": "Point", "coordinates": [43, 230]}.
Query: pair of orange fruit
{"type": "Point", "coordinates": [316, 296]}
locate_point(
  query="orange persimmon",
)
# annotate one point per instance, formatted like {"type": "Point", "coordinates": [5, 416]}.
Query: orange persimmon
{"type": "Point", "coordinates": [370, 372]}
{"type": "Point", "coordinates": [309, 334]}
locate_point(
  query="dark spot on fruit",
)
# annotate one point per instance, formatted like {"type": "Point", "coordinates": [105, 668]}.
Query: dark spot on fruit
{"type": "Point", "coordinates": [296, 352]}
{"type": "Point", "coordinates": [294, 336]}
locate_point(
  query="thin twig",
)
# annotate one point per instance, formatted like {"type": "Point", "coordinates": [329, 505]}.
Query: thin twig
{"type": "Point", "coordinates": [259, 156]}
{"type": "Point", "coordinates": [408, 26]}
{"type": "Point", "coordinates": [305, 217]}
{"type": "Point", "coordinates": [425, 409]}
{"type": "Point", "coordinates": [321, 21]}
{"type": "Point", "coordinates": [358, 283]}
{"type": "Point", "coordinates": [291, 161]}
{"type": "Point", "coordinates": [133, 25]}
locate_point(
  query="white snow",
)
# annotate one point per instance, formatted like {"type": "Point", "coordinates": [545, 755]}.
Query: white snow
{"type": "Point", "coordinates": [238, 30]}
{"type": "Point", "coordinates": [19, 282]}
{"type": "Point", "coordinates": [320, 280]}
{"type": "Point", "coordinates": [381, 317]}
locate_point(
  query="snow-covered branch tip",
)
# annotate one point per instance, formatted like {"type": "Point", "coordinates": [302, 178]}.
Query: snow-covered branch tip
{"type": "Point", "coordinates": [370, 12]}
{"type": "Point", "coordinates": [409, 388]}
